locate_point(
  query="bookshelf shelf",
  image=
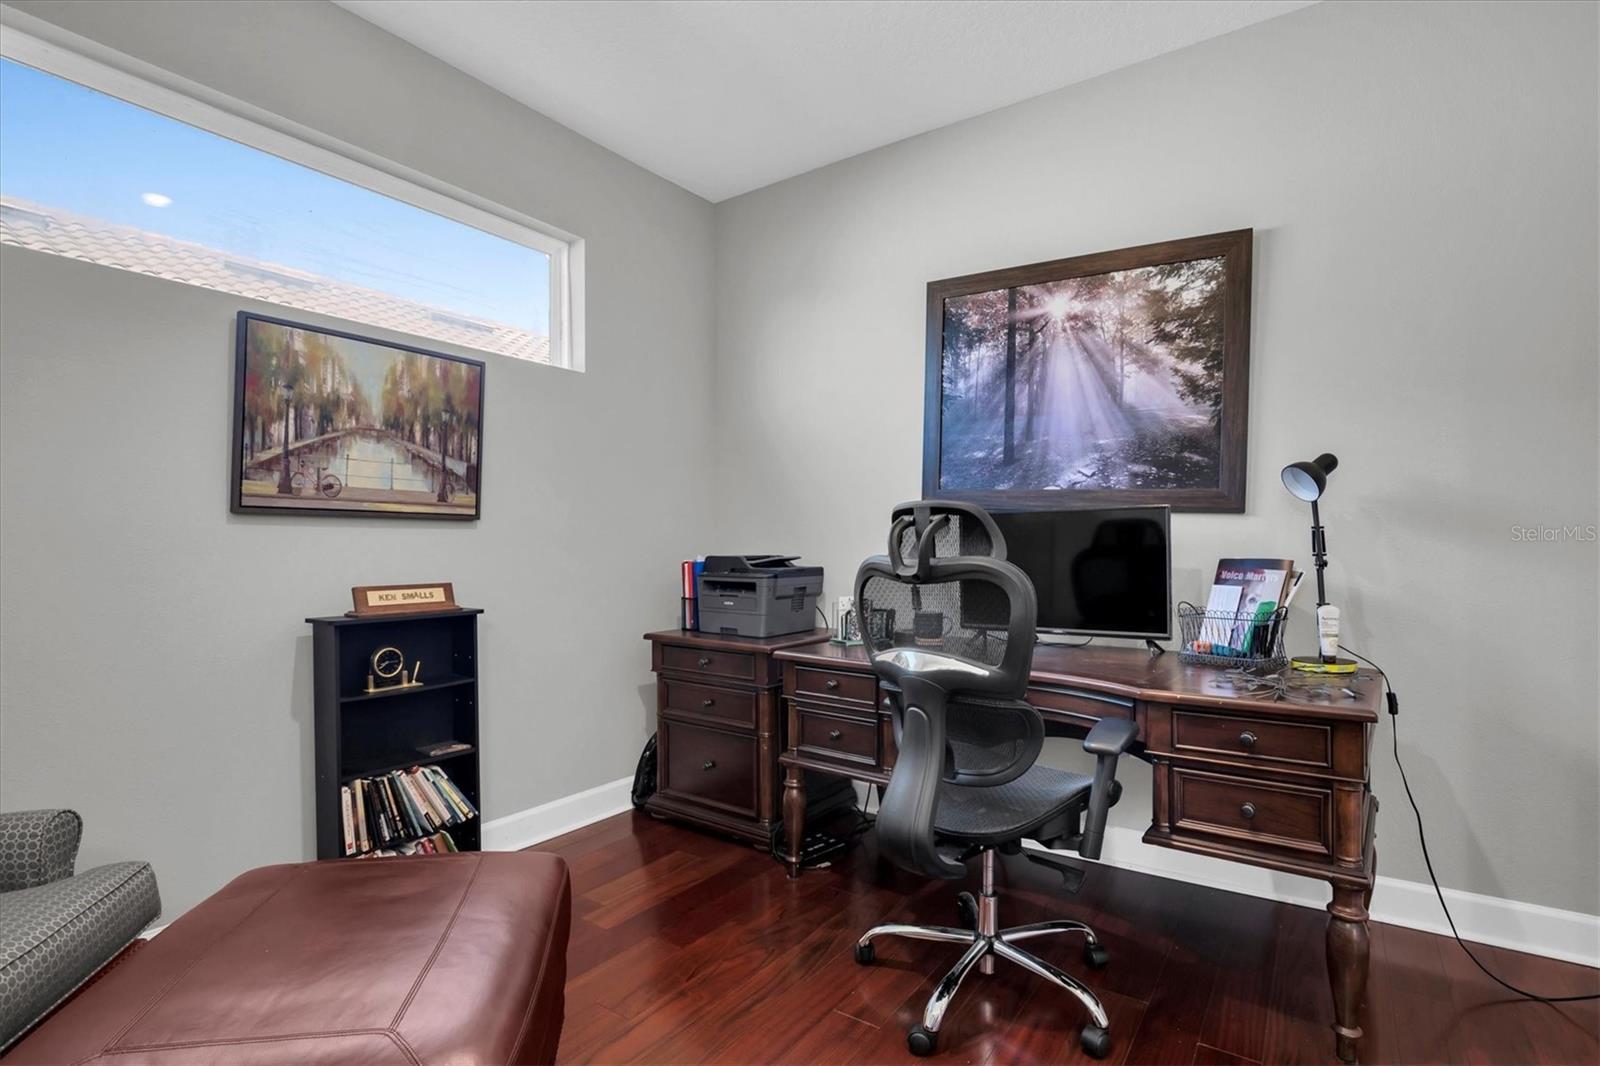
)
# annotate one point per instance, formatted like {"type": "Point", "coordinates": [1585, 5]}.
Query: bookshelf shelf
{"type": "Point", "coordinates": [410, 690]}
{"type": "Point", "coordinates": [405, 762]}
{"type": "Point", "coordinates": [362, 734]}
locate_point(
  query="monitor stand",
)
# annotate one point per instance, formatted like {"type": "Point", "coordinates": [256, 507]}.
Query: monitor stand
{"type": "Point", "coordinates": [1155, 649]}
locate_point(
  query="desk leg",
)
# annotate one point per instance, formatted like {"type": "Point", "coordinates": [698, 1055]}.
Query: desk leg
{"type": "Point", "coordinates": [1348, 948]}
{"type": "Point", "coordinates": [794, 816]}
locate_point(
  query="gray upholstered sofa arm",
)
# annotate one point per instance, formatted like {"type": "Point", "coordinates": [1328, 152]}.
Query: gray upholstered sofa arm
{"type": "Point", "coordinates": [37, 847]}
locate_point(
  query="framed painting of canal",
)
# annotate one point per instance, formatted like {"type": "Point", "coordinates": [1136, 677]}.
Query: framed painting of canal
{"type": "Point", "coordinates": [330, 423]}
{"type": "Point", "coordinates": [1102, 380]}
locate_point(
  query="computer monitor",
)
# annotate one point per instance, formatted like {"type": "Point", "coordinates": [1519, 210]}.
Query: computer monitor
{"type": "Point", "coordinates": [1104, 572]}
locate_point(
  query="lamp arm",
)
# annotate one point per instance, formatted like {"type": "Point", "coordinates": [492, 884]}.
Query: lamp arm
{"type": "Point", "coordinates": [1319, 552]}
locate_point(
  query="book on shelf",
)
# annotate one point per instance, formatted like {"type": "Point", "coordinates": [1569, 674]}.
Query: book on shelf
{"type": "Point", "coordinates": [390, 813]}
{"type": "Point", "coordinates": [349, 819]}
{"type": "Point", "coordinates": [445, 747]}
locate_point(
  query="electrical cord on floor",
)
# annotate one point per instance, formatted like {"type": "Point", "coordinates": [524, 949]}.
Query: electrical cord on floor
{"type": "Point", "coordinates": [1392, 699]}
{"type": "Point", "coordinates": [848, 841]}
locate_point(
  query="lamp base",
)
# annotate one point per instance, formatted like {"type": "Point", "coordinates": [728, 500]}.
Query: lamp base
{"type": "Point", "coordinates": [1313, 664]}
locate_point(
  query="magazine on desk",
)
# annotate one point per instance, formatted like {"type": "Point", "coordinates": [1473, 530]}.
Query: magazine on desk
{"type": "Point", "coordinates": [1244, 594]}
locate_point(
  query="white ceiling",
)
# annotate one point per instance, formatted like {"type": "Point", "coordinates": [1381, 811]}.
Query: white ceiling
{"type": "Point", "coordinates": [724, 96]}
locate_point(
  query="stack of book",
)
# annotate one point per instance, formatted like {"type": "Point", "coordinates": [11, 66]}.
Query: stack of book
{"type": "Point", "coordinates": [440, 843]}
{"type": "Point", "coordinates": [402, 809]}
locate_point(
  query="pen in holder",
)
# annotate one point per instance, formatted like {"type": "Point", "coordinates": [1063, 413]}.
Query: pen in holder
{"type": "Point", "coordinates": [1237, 640]}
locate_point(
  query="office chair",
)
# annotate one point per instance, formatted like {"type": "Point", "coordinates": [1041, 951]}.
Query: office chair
{"type": "Point", "coordinates": [950, 629]}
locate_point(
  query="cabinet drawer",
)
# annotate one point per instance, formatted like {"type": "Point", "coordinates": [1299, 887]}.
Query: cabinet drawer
{"type": "Point", "coordinates": [837, 684]}
{"type": "Point", "coordinates": [735, 664]}
{"type": "Point", "coordinates": [1304, 745]}
{"type": "Point", "coordinates": [842, 737]}
{"type": "Point", "coordinates": [1269, 813]}
{"type": "Point", "coordinates": [709, 766]}
{"type": "Point", "coordinates": [708, 701]}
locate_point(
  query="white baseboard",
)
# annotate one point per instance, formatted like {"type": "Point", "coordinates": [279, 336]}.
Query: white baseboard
{"type": "Point", "coordinates": [1567, 935]}
{"type": "Point", "coordinates": [513, 832]}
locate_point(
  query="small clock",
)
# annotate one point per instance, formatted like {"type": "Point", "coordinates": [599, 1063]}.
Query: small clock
{"type": "Point", "coordinates": [388, 666]}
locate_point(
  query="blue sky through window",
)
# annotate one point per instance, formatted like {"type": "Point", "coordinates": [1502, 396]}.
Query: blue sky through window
{"type": "Point", "coordinates": [69, 147]}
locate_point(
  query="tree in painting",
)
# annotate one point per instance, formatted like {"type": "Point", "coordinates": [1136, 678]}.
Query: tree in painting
{"type": "Point", "coordinates": [1105, 381]}
{"type": "Point", "coordinates": [335, 423]}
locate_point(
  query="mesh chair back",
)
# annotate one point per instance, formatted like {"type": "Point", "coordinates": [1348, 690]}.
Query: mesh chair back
{"type": "Point", "coordinates": [950, 626]}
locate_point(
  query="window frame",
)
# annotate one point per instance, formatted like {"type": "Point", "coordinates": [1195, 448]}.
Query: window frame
{"type": "Point", "coordinates": [35, 43]}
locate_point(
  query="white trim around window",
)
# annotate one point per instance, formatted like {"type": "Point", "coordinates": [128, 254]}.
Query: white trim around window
{"type": "Point", "coordinates": [39, 44]}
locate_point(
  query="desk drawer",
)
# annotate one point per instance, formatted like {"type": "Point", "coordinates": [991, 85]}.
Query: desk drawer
{"type": "Point", "coordinates": [1280, 816]}
{"type": "Point", "coordinates": [1089, 706]}
{"type": "Point", "coordinates": [709, 766]}
{"type": "Point", "coordinates": [837, 684]}
{"type": "Point", "coordinates": [1297, 744]}
{"type": "Point", "coordinates": [707, 701]}
{"type": "Point", "coordinates": [842, 737]}
{"type": "Point", "coordinates": [734, 664]}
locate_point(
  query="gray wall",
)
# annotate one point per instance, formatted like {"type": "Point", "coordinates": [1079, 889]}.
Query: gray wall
{"type": "Point", "coordinates": [154, 666]}
{"type": "Point", "coordinates": [1422, 182]}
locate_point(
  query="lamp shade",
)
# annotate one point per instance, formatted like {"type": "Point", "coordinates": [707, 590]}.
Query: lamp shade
{"type": "Point", "coordinates": [1308, 480]}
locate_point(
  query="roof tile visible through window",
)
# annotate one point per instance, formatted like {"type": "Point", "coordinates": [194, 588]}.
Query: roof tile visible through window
{"type": "Point", "coordinates": [45, 229]}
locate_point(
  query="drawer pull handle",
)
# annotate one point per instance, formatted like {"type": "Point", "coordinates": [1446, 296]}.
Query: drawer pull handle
{"type": "Point", "coordinates": [705, 660]}
{"type": "Point", "coordinates": [1248, 810]}
{"type": "Point", "coordinates": [709, 764]}
{"type": "Point", "coordinates": [832, 683]}
{"type": "Point", "coordinates": [708, 702]}
{"type": "Point", "coordinates": [834, 734]}
{"type": "Point", "coordinates": [1247, 739]}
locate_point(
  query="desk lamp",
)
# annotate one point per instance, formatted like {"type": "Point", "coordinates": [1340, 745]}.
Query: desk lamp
{"type": "Point", "coordinates": [1308, 481]}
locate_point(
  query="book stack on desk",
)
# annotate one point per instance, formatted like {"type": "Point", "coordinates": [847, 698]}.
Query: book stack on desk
{"type": "Point", "coordinates": [403, 812]}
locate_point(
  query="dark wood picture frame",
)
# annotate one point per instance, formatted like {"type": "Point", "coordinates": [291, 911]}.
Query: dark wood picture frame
{"type": "Point", "coordinates": [239, 499]}
{"type": "Point", "coordinates": [1235, 249]}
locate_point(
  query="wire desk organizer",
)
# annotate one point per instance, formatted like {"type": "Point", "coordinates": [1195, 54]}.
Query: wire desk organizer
{"type": "Point", "coordinates": [1240, 641]}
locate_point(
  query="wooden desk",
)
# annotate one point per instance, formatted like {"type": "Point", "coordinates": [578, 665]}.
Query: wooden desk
{"type": "Point", "coordinates": [1277, 784]}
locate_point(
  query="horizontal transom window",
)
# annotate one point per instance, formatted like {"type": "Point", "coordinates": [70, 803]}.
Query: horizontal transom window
{"type": "Point", "coordinates": [92, 176]}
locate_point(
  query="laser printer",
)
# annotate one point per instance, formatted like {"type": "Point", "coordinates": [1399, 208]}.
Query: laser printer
{"type": "Point", "coordinates": [758, 595]}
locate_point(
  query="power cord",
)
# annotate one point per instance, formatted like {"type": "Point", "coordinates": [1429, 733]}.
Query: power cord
{"type": "Point", "coordinates": [1392, 699]}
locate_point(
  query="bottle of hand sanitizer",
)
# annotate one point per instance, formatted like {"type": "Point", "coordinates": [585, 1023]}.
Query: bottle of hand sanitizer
{"type": "Point", "coordinates": [1328, 632]}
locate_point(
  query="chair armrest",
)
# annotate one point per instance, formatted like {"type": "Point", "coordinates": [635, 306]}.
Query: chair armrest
{"type": "Point", "coordinates": [37, 847]}
{"type": "Point", "coordinates": [1111, 736]}
{"type": "Point", "coordinates": [1107, 741]}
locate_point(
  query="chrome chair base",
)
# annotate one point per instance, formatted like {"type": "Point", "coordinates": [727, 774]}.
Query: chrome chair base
{"type": "Point", "coordinates": [986, 943]}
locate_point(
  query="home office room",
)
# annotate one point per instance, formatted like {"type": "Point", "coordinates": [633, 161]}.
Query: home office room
{"type": "Point", "coordinates": [680, 531]}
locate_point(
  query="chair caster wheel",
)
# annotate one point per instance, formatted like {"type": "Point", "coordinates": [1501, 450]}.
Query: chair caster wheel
{"type": "Point", "coordinates": [967, 910]}
{"type": "Point", "coordinates": [865, 955]}
{"type": "Point", "coordinates": [1096, 956]}
{"type": "Point", "coordinates": [922, 1042]}
{"type": "Point", "coordinates": [1096, 1041]}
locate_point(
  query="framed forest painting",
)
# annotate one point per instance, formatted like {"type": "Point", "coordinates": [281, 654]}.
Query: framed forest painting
{"type": "Point", "coordinates": [1110, 379]}
{"type": "Point", "coordinates": [332, 423]}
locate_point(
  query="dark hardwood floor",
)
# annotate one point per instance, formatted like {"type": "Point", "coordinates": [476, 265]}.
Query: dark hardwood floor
{"type": "Point", "coordinates": [690, 948]}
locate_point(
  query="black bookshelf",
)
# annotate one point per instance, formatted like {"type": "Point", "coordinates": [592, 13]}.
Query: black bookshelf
{"type": "Point", "coordinates": [364, 734]}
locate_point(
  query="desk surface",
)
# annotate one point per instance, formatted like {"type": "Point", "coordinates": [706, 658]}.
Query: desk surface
{"type": "Point", "coordinates": [1136, 674]}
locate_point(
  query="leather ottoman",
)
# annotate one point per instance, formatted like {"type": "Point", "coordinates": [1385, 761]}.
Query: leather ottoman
{"type": "Point", "coordinates": [448, 958]}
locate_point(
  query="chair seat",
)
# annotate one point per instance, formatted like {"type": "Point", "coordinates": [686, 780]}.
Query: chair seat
{"type": "Point", "coordinates": [1008, 812]}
